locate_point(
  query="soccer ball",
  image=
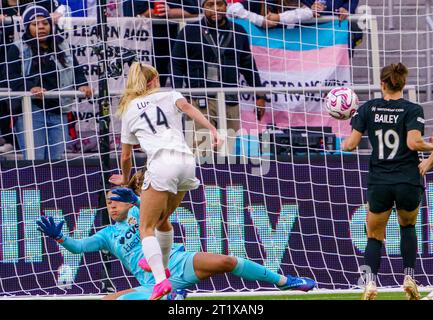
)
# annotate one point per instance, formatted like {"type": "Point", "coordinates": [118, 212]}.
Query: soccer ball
{"type": "Point", "coordinates": [341, 103]}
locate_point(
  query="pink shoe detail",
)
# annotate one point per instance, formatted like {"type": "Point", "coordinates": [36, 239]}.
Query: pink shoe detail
{"type": "Point", "coordinates": [161, 289]}
{"type": "Point", "coordinates": [145, 266]}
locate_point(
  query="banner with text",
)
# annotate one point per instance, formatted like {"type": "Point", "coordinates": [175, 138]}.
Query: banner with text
{"type": "Point", "coordinates": [127, 38]}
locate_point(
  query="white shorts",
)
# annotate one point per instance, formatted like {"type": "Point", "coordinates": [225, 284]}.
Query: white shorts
{"type": "Point", "coordinates": [171, 171]}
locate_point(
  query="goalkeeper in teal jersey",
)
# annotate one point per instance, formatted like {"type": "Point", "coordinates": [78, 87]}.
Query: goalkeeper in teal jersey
{"type": "Point", "coordinates": [185, 269]}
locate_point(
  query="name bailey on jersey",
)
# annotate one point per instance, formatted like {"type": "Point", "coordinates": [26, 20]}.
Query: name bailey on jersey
{"type": "Point", "coordinates": [386, 118]}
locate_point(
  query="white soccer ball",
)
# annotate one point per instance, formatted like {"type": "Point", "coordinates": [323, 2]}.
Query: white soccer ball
{"type": "Point", "coordinates": [341, 103]}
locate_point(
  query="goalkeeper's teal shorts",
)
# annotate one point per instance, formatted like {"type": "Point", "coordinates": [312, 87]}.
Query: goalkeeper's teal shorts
{"type": "Point", "coordinates": [182, 270]}
{"type": "Point", "coordinates": [182, 276]}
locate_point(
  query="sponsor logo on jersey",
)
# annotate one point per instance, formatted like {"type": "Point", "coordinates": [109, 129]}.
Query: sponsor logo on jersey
{"type": "Point", "coordinates": [131, 233]}
{"type": "Point", "coordinates": [132, 221]}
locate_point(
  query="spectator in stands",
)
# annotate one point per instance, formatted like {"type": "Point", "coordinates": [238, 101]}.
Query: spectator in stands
{"type": "Point", "coordinates": [214, 52]}
{"type": "Point", "coordinates": [164, 31]}
{"type": "Point", "coordinates": [78, 8]}
{"type": "Point", "coordinates": [41, 62]}
{"type": "Point", "coordinates": [6, 36]}
{"type": "Point", "coordinates": [8, 9]}
{"type": "Point", "coordinates": [275, 13]}
{"type": "Point", "coordinates": [341, 8]}
{"type": "Point", "coordinates": [88, 8]}
{"type": "Point", "coordinates": [289, 13]}
{"type": "Point", "coordinates": [254, 11]}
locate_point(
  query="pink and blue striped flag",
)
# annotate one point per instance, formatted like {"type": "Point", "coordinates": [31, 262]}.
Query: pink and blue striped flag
{"type": "Point", "coordinates": [305, 56]}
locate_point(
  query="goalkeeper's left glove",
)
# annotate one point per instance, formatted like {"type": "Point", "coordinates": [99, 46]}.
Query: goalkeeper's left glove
{"type": "Point", "coordinates": [124, 195]}
{"type": "Point", "coordinates": [50, 228]}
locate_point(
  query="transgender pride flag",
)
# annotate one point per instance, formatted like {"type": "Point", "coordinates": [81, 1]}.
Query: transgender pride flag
{"type": "Point", "coordinates": [305, 56]}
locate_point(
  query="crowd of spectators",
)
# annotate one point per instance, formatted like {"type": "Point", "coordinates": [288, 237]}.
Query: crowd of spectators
{"type": "Point", "coordinates": [41, 62]}
{"type": "Point", "coordinates": [212, 51]}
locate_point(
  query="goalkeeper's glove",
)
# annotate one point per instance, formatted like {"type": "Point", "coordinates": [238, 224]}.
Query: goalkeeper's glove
{"type": "Point", "coordinates": [124, 195]}
{"type": "Point", "coordinates": [50, 228]}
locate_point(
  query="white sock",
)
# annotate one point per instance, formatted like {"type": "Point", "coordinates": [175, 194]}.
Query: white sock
{"type": "Point", "coordinates": [153, 255]}
{"type": "Point", "coordinates": [282, 281]}
{"type": "Point", "coordinates": [165, 239]}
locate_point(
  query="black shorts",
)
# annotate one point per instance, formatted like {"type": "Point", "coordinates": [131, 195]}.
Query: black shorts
{"type": "Point", "coordinates": [381, 197]}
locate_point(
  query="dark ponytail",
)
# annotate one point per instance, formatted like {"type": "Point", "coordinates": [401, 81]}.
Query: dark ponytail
{"type": "Point", "coordinates": [394, 76]}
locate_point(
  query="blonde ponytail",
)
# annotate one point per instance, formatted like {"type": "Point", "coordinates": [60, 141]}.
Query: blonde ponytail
{"type": "Point", "coordinates": [137, 85]}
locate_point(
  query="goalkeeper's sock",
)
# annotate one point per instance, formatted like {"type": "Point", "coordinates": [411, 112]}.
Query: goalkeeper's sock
{"type": "Point", "coordinates": [408, 248]}
{"type": "Point", "coordinates": [165, 239]}
{"type": "Point", "coordinates": [153, 255]}
{"type": "Point", "coordinates": [250, 270]}
{"type": "Point", "coordinates": [372, 257]}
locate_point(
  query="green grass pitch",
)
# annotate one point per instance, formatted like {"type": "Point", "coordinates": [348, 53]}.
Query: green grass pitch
{"type": "Point", "coordinates": [331, 296]}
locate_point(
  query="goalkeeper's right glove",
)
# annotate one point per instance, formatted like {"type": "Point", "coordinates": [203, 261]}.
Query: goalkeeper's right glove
{"type": "Point", "coordinates": [124, 195]}
{"type": "Point", "coordinates": [50, 228]}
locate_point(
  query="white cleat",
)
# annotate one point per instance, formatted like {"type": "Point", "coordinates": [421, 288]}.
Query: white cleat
{"type": "Point", "coordinates": [370, 292]}
{"type": "Point", "coordinates": [411, 288]}
{"type": "Point", "coordinates": [428, 297]}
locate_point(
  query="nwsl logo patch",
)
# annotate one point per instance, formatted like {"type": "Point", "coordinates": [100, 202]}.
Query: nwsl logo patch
{"type": "Point", "coordinates": [132, 221]}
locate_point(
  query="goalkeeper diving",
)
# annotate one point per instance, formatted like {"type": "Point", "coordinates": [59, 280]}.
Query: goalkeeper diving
{"type": "Point", "coordinates": [185, 269]}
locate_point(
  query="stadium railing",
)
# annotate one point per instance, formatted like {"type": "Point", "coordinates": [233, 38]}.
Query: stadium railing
{"type": "Point", "coordinates": [220, 92]}
{"type": "Point", "coordinates": [364, 20]}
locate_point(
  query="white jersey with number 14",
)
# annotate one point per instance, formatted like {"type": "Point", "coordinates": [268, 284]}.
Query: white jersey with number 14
{"type": "Point", "coordinates": [154, 122]}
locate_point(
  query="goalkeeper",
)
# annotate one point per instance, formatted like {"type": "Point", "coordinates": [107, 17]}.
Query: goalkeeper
{"type": "Point", "coordinates": [185, 268]}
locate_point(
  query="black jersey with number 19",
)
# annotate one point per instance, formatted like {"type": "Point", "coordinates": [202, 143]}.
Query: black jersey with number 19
{"type": "Point", "coordinates": [387, 124]}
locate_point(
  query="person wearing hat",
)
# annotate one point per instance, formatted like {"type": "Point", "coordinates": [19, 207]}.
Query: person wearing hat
{"type": "Point", "coordinates": [8, 9]}
{"type": "Point", "coordinates": [215, 52]}
{"type": "Point", "coordinates": [40, 62]}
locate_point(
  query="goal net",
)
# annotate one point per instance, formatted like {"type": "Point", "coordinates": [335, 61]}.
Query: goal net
{"type": "Point", "coordinates": [279, 192]}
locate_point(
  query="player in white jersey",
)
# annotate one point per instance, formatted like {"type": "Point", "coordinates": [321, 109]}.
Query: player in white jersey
{"type": "Point", "coordinates": [153, 119]}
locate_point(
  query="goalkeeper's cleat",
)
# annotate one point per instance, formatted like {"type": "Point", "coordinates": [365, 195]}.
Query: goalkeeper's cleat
{"type": "Point", "coordinates": [411, 288]}
{"type": "Point", "coordinates": [370, 291]}
{"type": "Point", "coordinates": [302, 284]}
{"type": "Point", "coordinates": [160, 290]}
{"type": "Point", "coordinates": [145, 266]}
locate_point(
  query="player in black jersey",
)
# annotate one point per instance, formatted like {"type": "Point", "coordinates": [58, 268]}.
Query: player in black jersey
{"type": "Point", "coordinates": [395, 127]}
